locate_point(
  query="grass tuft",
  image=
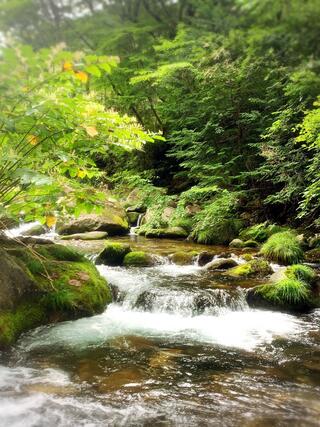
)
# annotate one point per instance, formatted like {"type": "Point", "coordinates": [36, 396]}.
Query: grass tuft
{"type": "Point", "coordinates": [283, 248]}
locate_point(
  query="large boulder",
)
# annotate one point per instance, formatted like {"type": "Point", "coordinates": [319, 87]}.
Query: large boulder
{"type": "Point", "coordinates": [44, 283]}
{"type": "Point", "coordinates": [183, 258]}
{"type": "Point", "coordinates": [113, 220]}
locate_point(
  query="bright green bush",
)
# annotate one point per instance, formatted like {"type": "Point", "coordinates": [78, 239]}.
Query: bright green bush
{"type": "Point", "coordinates": [283, 248]}
{"type": "Point", "coordinates": [301, 272]}
{"type": "Point", "coordinates": [286, 292]}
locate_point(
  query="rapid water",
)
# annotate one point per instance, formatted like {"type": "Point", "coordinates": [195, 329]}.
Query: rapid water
{"type": "Point", "coordinates": [177, 347]}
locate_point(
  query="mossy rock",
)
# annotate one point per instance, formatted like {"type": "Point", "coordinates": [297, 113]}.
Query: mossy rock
{"type": "Point", "coordinates": [236, 243]}
{"type": "Point", "coordinates": [167, 233]}
{"type": "Point", "coordinates": [90, 235]}
{"type": "Point", "coordinates": [36, 230]}
{"type": "Point", "coordinates": [247, 257]}
{"type": "Point", "coordinates": [283, 248]}
{"type": "Point", "coordinates": [293, 290]}
{"type": "Point", "coordinates": [138, 259]}
{"type": "Point", "coordinates": [113, 254]}
{"type": "Point", "coordinates": [313, 256]}
{"type": "Point", "coordinates": [205, 257]}
{"type": "Point", "coordinates": [113, 219]}
{"type": "Point", "coordinates": [51, 283]}
{"type": "Point", "coordinates": [253, 268]}
{"type": "Point", "coordinates": [221, 264]}
{"type": "Point", "coordinates": [183, 258]}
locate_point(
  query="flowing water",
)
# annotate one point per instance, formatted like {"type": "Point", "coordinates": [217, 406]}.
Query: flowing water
{"type": "Point", "coordinates": [177, 347]}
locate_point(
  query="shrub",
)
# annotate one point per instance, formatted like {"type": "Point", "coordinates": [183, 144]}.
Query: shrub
{"type": "Point", "coordinates": [283, 248]}
{"type": "Point", "coordinates": [261, 232]}
{"type": "Point", "coordinates": [216, 223]}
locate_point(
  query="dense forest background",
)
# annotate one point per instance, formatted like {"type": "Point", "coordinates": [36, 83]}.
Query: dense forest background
{"type": "Point", "coordinates": [232, 85]}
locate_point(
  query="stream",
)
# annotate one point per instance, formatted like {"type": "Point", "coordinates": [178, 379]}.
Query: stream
{"type": "Point", "coordinates": [177, 347]}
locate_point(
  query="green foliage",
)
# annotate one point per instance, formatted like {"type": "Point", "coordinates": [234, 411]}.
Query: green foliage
{"type": "Point", "coordinates": [301, 272]}
{"type": "Point", "coordinates": [286, 292]}
{"type": "Point", "coordinates": [216, 223]}
{"type": "Point", "coordinates": [260, 232]}
{"type": "Point", "coordinates": [283, 248]}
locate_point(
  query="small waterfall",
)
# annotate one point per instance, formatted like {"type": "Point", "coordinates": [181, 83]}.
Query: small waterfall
{"type": "Point", "coordinates": [139, 221]}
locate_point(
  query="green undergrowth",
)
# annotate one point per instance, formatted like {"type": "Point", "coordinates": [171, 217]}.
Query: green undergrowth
{"type": "Point", "coordinates": [283, 248]}
{"type": "Point", "coordinates": [261, 232]}
{"type": "Point", "coordinates": [301, 272]}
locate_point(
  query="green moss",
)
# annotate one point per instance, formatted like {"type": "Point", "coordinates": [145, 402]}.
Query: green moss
{"type": "Point", "coordinates": [113, 254]}
{"type": "Point", "coordinates": [283, 248]}
{"type": "Point", "coordinates": [61, 289]}
{"type": "Point", "coordinates": [287, 292]}
{"type": "Point", "coordinates": [250, 244]}
{"type": "Point", "coordinates": [301, 272]}
{"type": "Point", "coordinates": [261, 232]}
{"type": "Point", "coordinates": [253, 268]}
{"type": "Point", "coordinates": [183, 258]}
{"type": "Point", "coordinates": [247, 257]}
{"type": "Point", "coordinates": [26, 316]}
{"type": "Point", "coordinates": [138, 259]}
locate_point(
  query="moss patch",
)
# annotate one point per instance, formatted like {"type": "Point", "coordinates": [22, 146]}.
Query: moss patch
{"type": "Point", "coordinates": [301, 272]}
{"type": "Point", "coordinates": [253, 268]}
{"type": "Point", "coordinates": [138, 259]}
{"type": "Point", "coordinates": [113, 254]}
{"type": "Point", "coordinates": [63, 285]}
{"type": "Point", "coordinates": [183, 258]}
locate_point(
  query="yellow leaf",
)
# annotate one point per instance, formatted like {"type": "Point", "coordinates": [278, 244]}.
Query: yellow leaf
{"type": "Point", "coordinates": [33, 139]}
{"type": "Point", "coordinates": [51, 221]}
{"type": "Point", "coordinates": [91, 131]}
{"type": "Point", "coordinates": [81, 173]}
{"type": "Point", "coordinates": [82, 76]}
{"type": "Point", "coordinates": [67, 66]}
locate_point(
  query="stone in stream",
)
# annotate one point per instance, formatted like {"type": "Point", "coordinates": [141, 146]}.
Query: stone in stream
{"type": "Point", "coordinates": [221, 264]}
{"type": "Point", "coordinates": [138, 259]}
{"type": "Point", "coordinates": [183, 258]}
{"type": "Point", "coordinates": [90, 235]}
{"type": "Point", "coordinates": [113, 220]}
{"type": "Point", "coordinates": [204, 258]}
{"type": "Point", "coordinates": [253, 268]}
{"type": "Point", "coordinates": [36, 230]}
{"type": "Point", "coordinates": [41, 283]}
{"type": "Point", "coordinates": [113, 254]}
{"type": "Point", "coordinates": [167, 233]}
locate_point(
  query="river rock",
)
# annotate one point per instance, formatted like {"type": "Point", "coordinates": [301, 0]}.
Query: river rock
{"type": "Point", "coordinates": [183, 258]}
{"type": "Point", "coordinates": [90, 235]}
{"type": "Point", "coordinates": [204, 258]}
{"type": "Point", "coordinates": [113, 220]}
{"type": "Point", "coordinates": [43, 283]}
{"type": "Point", "coordinates": [36, 230]}
{"type": "Point", "coordinates": [313, 256]}
{"type": "Point", "coordinates": [236, 243]}
{"type": "Point", "coordinates": [221, 264]}
{"type": "Point", "coordinates": [254, 268]}
{"type": "Point", "coordinates": [138, 259]}
{"type": "Point", "coordinates": [167, 214]}
{"type": "Point", "coordinates": [167, 233]}
{"type": "Point", "coordinates": [113, 254]}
